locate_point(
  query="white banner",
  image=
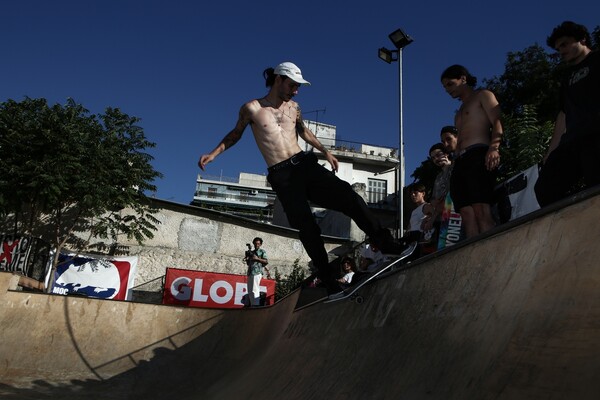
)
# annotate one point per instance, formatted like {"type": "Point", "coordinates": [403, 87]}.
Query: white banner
{"type": "Point", "coordinates": [104, 278]}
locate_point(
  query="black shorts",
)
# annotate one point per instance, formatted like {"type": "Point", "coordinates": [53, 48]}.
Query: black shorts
{"type": "Point", "coordinates": [471, 182]}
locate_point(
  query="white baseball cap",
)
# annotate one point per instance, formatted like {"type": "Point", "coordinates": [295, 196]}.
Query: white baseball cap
{"type": "Point", "coordinates": [291, 71]}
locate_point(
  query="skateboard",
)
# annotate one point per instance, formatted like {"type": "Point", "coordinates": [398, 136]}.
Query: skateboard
{"type": "Point", "coordinates": [366, 277]}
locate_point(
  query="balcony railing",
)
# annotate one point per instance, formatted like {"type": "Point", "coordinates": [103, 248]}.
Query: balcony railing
{"type": "Point", "coordinates": [359, 148]}
{"type": "Point", "coordinates": [220, 178]}
{"type": "Point", "coordinates": [235, 197]}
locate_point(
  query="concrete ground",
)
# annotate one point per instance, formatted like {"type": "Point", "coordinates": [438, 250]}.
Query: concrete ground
{"type": "Point", "coordinates": [513, 315]}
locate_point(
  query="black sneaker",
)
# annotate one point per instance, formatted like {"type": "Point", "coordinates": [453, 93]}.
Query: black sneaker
{"type": "Point", "coordinates": [385, 242]}
{"type": "Point", "coordinates": [393, 247]}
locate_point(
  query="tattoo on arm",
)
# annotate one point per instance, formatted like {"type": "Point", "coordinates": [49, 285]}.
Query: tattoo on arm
{"type": "Point", "coordinates": [230, 140]}
{"type": "Point", "coordinates": [235, 135]}
{"type": "Point", "coordinates": [299, 121]}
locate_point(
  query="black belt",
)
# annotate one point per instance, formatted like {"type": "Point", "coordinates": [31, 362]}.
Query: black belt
{"type": "Point", "coordinates": [293, 160]}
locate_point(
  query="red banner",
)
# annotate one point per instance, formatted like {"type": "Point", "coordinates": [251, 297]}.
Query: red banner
{"type": "Point", "coordinates": [209, 289]}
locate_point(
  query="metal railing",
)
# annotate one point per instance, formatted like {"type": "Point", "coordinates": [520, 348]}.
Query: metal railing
{"type": "Point", "coordinates": [359, 147]}
{"type": "Point", "coordinates": [237, 197]}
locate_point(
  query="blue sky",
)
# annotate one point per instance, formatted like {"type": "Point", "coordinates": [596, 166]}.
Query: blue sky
{"type": "Point", "coordinates": [186, 67]}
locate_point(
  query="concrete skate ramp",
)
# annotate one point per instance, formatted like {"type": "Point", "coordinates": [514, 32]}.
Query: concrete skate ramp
{"type": "Point", "coordinates": [514, 315]}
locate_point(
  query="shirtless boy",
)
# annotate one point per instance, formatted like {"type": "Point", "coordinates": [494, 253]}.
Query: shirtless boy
{"type": "Point", "coordinates": [476, 156]}
{"type": "Point", "coordinates": [295, 175]}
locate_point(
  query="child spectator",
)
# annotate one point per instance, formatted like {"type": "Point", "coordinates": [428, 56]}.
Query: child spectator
{"type": "Point", "coordinates": [348, 270]}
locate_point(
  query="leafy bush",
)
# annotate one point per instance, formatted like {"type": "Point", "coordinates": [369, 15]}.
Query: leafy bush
{"type": "Point", "coordinates": [286, 285]}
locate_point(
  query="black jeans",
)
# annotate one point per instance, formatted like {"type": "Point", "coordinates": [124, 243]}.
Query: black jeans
{"type": "Point", "coordinates": [306, 181]}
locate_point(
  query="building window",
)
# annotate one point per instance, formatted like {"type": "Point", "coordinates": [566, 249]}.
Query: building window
{"type": "Point", "coordinates": [377, 190]}
{"type": "Point", "coordinates": [212, 192]}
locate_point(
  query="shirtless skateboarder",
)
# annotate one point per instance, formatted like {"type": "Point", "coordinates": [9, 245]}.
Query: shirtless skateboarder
{"type": "Point", "coordinates": [296, 176]}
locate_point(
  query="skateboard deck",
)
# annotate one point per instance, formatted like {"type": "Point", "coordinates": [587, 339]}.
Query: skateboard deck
{"type": "Point", "coordinates": [313, 295]}
{"type": "Point", "coordinates": [364, 278]}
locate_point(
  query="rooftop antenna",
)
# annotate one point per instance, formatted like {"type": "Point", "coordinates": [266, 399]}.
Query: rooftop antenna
{"type": "Point", "coordinates": [317, 119]}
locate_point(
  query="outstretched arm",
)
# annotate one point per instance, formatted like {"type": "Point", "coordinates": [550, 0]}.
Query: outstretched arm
{"type": "Point", "coordinates": [230, 139]}
{"type": "Point", "coordinates": [311, 139]}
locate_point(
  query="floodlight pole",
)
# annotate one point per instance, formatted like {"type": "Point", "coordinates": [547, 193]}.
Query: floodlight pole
{"type": "Point", "coordinates": [400, 40]}
{"type": "Point", "coordinates": [400, 176]}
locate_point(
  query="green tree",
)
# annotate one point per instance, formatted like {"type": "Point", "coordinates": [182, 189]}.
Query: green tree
{"type": "Point", "coordinates": [426, 174]}
{"type": "Point", "coordinates": [526, 141]}
{"type": "Point", "coordinates": [64, 172]}
{"type": "Point", "coordinates": [286, 285]}
{"type": "Point", "coordinates": [531, 77]}
{"type": "Point", "coordinates": [596, 38]}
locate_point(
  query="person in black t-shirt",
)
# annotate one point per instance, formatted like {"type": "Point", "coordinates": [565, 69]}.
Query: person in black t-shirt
{"type": "Point", "coordinates": [574, 152]}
